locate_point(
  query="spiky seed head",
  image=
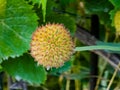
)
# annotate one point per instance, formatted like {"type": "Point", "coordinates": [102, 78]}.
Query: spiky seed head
{"type": "Point", "coordinates": [51, 45]}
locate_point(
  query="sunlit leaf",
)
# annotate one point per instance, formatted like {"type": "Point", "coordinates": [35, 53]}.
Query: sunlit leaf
{"type": "Point", "coordinates": [16, 28]}
{"type": "Point", "coordinates": [42, 3]}
{"type": "Point", "coordinates": [2, 7]}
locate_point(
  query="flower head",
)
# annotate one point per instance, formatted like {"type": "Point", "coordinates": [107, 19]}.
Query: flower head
{"type": "Point", "coordinates": [51, 45]}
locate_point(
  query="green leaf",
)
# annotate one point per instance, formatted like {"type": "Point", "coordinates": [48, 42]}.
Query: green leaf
{"type": "Point", "coordinates": [62, 69]}
{"type": "Point", "coordinates": [116, 3]}
{"type": "Point", "coordinates": [36, 1]}
{"type": "Point", "coordinates": [100, 8]}
{"type": "Point", "coordinates": [2, 7]}
{"type": "Point", "coordinates": [112, 14]}
{"type": "Point", "coordinates": [16, 28]}
{"type": "Point", "coordinates": [64, 3]}
{"type": "Point", "coordinates": [43, 3]}
{"type": "Point", "coordinates": [25, 68]}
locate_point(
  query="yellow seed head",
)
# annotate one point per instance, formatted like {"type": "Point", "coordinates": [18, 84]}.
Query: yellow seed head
{"type": "Point", "coordinates": [51, 45]}
{"type": "Point", "coordinates": [117, 22]}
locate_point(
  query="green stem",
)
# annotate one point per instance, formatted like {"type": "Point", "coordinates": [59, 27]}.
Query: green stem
{"type": "Point", "coordinates": [98, 47]}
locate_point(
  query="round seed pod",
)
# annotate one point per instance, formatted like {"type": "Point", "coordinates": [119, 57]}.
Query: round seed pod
{"type": "Point", "coordinates": [51, 45]}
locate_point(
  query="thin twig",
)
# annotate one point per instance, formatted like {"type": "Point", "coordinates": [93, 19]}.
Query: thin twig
{"type": "Point", "coordinates": [111, 81]}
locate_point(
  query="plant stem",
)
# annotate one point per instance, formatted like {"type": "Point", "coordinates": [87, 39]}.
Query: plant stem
{"type": "Point", "coordinates": [77, 87]}
{"type": "Point", "coordinates": [100, 75]}
{"type": "Point", "coordinates": [111, 81]}
{"type": "Point", "coordinates": [98, 47]}
{"type": "Point", "coordinates": [68, 84]}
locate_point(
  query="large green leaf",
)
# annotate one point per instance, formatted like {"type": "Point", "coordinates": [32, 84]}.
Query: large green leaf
{"type": "Point", "coordinates": [16, 27]}
{"type": "Point", "coordinates": [25, 68]}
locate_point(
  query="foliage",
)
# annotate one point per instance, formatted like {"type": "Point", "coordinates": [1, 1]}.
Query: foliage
{"type": "Point", "coordinates": [43, 3]}
{"type": "Point", "coordinates": [20, 69]}
{"type": "Point", "coordinates": [16, 28]}
{"type": "Point", "coordinates": [20, 18]}
{"type": "Point", "coordinates": [101, 8]}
